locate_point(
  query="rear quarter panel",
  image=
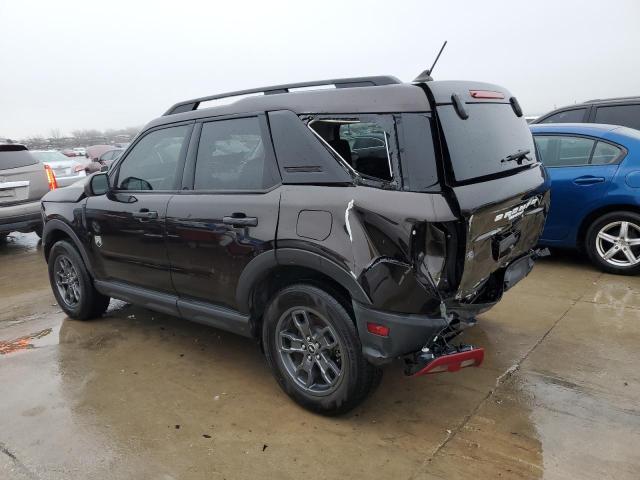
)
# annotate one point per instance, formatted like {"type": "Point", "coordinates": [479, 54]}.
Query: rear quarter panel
{"type": "Point", "coordinates": [369, 236]}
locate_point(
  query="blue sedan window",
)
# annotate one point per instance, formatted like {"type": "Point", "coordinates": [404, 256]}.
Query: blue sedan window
{"type": "Point", "coordinates": [561, 151]}
{"type": "Point", "coordinates": [605, 153]}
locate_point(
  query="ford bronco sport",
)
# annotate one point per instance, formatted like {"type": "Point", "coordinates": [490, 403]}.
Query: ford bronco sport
{"type": "Point", "coordinates": [342, 228]}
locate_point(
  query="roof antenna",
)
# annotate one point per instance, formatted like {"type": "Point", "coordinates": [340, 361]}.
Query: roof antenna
{"type": "Point", "coordinates": [426, 75]}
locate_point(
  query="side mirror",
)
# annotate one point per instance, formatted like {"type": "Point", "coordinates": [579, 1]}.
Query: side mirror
{"type": "Point", "coordinates": [97, 184]}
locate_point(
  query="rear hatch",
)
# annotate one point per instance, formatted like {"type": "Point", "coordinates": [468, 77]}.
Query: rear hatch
{"type": "Point", "coordinates": [490, 164]}
{"type": "Point", "coordinates": [22, 177]}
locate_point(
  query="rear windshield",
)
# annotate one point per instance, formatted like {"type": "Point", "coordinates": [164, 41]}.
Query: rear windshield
{"type": "Point", "coordinates": [15, 159]}
{"type": "Point", "coordinates": [51, 157]}
{"type": "Point", "coordinates": [478, 145]}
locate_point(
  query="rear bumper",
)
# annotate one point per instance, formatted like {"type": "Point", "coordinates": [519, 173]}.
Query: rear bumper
{"type": "Point", "coordinates": [20, 223]}
{"type": "Point", "coordinates": [407, 333]}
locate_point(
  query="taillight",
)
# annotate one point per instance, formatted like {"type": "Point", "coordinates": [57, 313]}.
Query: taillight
{"type": "Point", "coordinates": [486, 94]}
{"type": "Point", "coordinates": [51, 178]}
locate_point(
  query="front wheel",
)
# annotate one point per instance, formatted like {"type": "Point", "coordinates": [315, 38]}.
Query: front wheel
{"type": "Point", "coordinates": [314, 351]}
{"type": "Point", "coordinates": [72, 285]}
{"type": "Point", "coordinates": [613, 243]}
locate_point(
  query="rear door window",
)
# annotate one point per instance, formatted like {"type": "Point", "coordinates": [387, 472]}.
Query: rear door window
{"type": "Point", "coordinates": [564, 151]}
{"type": "Point", "coordinates": [575, 115]}
{"type": "Point", "coordinates": [234, 155]}
{"type": "Point", "coordinates": [480, 145]}
{"type": "Point", "coordinates": [626, 115]}
{"type": "Point", "coordinates": [14, 156]}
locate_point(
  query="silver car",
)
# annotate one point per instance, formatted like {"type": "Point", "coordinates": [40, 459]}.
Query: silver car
{"type": "Point", "coordinates": [67, 170]}
{"type": "Point", "coordinates": [23, 182]}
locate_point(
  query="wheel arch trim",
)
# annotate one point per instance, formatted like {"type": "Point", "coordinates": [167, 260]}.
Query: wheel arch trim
{"type": "Point", "coordinates": [262, 265]}
{"type": "Point", "coordinates": [54, 224]}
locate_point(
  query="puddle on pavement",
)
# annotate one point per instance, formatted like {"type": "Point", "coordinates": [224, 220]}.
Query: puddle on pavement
{"type": "Point", "coordinates": [19, 243]}
{"type": "Point", "coordinates": [28, 342]}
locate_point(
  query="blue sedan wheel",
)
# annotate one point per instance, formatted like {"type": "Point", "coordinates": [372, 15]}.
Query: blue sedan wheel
{"type": "Point", "coordinates": [613, 243]}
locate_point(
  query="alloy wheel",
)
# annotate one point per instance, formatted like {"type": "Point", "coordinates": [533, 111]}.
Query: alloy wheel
{"type": "Point", "coordinates": [310, 350]}
{"type": "Point", "coordinates": [618, 243]}
{"type": "Point", "coordinates": [67, 281]}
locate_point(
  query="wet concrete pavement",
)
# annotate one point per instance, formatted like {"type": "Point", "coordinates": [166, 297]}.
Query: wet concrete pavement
{"type": "Point", "coordinates": [142, 395]}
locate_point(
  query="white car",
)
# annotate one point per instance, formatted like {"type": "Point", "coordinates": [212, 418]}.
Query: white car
{"type": "Point", "coordinates": [80, 151]}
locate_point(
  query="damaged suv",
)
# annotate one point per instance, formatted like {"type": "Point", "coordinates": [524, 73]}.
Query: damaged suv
{"type": "Point", "coordinates": [342, 227]}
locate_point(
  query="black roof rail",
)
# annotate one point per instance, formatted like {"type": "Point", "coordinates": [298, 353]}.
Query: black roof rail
{"type": "Point", "coordinates": [613, 99]}
{"type": "Point", "coordinates": [189, 105]}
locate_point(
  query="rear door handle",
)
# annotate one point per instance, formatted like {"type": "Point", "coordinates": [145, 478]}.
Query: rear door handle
{"type": "Point", "coordinates": [145, 214]}
{"type": "Point", "coordinates": [588, 180]}
{"type": "Point", "coordinates": [240, 221]}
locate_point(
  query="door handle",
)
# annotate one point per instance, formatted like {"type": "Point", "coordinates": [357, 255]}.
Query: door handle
{"type": "Point", "coordinates": [145, 214]}
{"type": "Point", "coordinates": [588, 180]}
{"type": "Point", "coordinates": [238, 221]}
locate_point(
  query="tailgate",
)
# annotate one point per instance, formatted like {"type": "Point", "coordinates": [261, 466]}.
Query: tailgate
{"type": "Point", "coordinates": [491, 166]}
{"type": "Point", "coordinates": [503, 220]}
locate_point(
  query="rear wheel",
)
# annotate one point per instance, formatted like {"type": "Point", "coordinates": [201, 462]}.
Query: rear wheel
{"type": "Point", "coordinates": [313, 349]}
{"type": "Point", "coordinates": [72, 285]}
{"type": "Point", "coordinates": [38, 230]}
{"type": "Point", "coordinates": [613, 243]}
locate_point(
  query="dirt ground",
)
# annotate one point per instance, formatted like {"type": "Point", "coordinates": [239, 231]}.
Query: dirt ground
{"type": "Point", "coordinates": [145, 396]}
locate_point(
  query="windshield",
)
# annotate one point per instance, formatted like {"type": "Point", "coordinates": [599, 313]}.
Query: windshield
{"type": "Point", "coordinates": [51, 157]}
{"type": "Point", "coordinates": [16, 159]}
{"type": "Point", "coordinates": [491, 141]}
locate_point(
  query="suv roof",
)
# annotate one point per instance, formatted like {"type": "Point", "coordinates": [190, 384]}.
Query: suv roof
{"type": "Point", "coordinates": [378, 94]}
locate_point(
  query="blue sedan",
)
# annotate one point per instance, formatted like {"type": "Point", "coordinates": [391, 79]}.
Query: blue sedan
{"type": "Point", "coordinates": [595, 191]}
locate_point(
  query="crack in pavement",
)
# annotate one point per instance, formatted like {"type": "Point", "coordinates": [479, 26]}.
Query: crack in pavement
{"type": "Point", "coordinates": [499, 382]}
{"type": "Point", "coordinates": [21, 466]}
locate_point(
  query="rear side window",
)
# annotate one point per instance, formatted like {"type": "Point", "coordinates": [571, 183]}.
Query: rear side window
{"type": "Point", "coordinates": [482, 144]}
{"type": "Point", "coordinates": [232, 155]}
{"type": "Point", "coordinates": [361, 141]}
{"type": "Point", "coordinates": [605, 153]}
{"type": "Point", "coordinates": [575, 115]}
{"type": "Point", "coordinates": [15, 156]}
{"type": "Point", "coordinates": [626, 115]}
{"type": "Point", "coordinates": [564, 151]}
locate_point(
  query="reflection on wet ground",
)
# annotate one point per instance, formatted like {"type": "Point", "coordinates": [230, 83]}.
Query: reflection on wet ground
{"type": "Point", "coordinates": [142, 395]}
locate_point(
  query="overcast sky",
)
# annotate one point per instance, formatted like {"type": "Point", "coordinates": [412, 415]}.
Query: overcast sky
{"type": "Point", "coordinates": [86, 64]}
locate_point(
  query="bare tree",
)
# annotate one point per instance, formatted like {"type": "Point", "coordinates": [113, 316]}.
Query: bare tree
{"type": "Point", "coordinates": [55, 133]}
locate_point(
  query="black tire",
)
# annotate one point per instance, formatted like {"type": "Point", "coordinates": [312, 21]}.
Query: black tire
{"type": "Point", "coordinates": [87, 302]}
{"type": "Point", "coordinates": [597, 247]}
{"type": "Point", "coordinates": [357, 377]}
{"type": "Point", "coordinates": [38, 230]}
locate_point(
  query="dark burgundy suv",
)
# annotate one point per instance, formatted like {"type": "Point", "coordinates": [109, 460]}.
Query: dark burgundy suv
{"type": "Point", "coordinates": [341, 227]}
